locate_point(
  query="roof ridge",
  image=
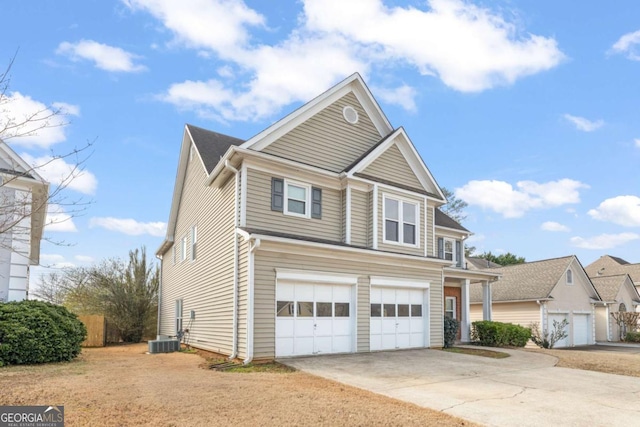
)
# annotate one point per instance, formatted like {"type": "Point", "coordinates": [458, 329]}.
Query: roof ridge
{"type": "Point", "coordinates": [534, 262]}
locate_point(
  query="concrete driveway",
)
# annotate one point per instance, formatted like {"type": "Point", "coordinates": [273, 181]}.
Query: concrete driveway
{"type": "Point", "coordinates": [525, 389]}
{"type": "Point", "coordinates": [617, 347]}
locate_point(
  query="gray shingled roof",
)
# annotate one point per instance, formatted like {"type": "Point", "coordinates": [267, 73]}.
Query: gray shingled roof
{"type": "Point", "coordinates": [211, 145]}
{"type": "Point", "coordinates": [611, 266]}
{"type": "Point", "coordinates": [608, 286]}
{"type": "Point", "coordinates": [478, 263]}
{"type": "Point", "coordinates": [444, 220]}
{"type": "Point", "coordinates": [524, 282]}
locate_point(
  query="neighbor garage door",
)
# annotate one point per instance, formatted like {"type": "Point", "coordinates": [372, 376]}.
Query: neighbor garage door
{"type": "Point", "coordinates": [313, 319]}
{"type": "Point", "coordinates": [581, 329]}
{"type": "Point", "coordinates": [398, 318]}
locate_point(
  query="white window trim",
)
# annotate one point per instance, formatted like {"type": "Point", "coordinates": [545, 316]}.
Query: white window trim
{"type": "Point", "coordinates": [396, 282]}
{"type": "Point", "coordinates": [194, 242]}
{"type": "Point", "coordinates": [416, 225]}
{"type": "Point", "coordinates": [179, 313]}
{"type": "Point", "coordinates": [307, 276]}
{"type": "Point", "coordinates": [307, 187]}
{"type": "Point", "coordinates": [453, 250]}
{"type": "Point", "coordinates": [183, 248]}
{"type": "Point", "coordinates": [567, 274]}
{"type": "Point", "coordinates": [454, 305]}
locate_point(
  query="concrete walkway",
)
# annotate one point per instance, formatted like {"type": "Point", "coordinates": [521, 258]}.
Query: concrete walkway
{"type": "Point", "coordinates": [525, 389]}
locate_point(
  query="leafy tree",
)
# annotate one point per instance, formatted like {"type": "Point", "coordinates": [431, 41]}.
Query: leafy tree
{"type": "Point", "coordinates": [455, 207]}
{"type": "Point", "coordinates": [503, 259]}
{"type": "Point", "coordinates": [125, 292]}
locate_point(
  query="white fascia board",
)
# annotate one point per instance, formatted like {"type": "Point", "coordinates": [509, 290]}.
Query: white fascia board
{"type": "Point", "coordinates": [20, 161]}
{"type": "Point", "coordinates": [451, 232]}
{"type": "Point", "coordinates": [399, 282]}
{"type": "Point", "coordinates": [353, 83]}
{"type": "Point", "coordinates": [315, 277]}
{"type": "Point", "coordinates": [392, 188]}
{"type": "Point", "coordinates": [177, 191]}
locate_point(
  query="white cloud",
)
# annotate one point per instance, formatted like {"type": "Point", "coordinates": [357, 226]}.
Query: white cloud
{"type": "Point", "coordinates": [84, 258]}
{"type": "Point", "coordinates": [130, 226]}
{"type": "Point", "coordinates": [404, 96]}
{"type": "Point", "coordinates": [628, 45]}
{"type": "Point", "coordinates": [637, 142]}
{"type": "Point", "coordinates": [583, 124]}
{"type": "Point", "coordinates": [604, 241]}
{"type": "Point", "coordinates": [57, 170]}
{"type": "Point", "coordinates": [105, 57]}
{"type": "Point", "coordinates": [470, 48]}
{"type": "Point", "coordinates": [621, 210]}
{"type": "Point", "coordinates": [31, 123]}
{"type": "Point", "coordinates": [501, 197]}
{"type": "Point", "coordinates": [59, 220]}
{"type": "Point", "coordinates": [553, 226]}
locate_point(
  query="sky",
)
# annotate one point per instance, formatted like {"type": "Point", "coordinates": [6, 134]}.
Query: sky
{"type": "Point", "coordinates": [528, 111]}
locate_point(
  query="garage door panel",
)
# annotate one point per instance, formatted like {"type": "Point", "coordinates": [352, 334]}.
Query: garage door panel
{"type": "Point", "coordinates": [342, 326]}
{"type": "Point", "coordinates": [402, 321]}
{"type": "Point", "coordinates": [402, 296]}
{"type": "Point", "coordinates": [580, 329]}
{"type": "Point", "coordinates": [285, 292]}
{"type": "Point", "coordinates": [285, 346]}
{"type": "Point", "coordinates": [341, 294]}
{"type": "Point", "coordinates": [303, 345]}
{"type": "Point", "coordinates": [559, 318]}
{"type": "Point", "coordinates": [322, 292]}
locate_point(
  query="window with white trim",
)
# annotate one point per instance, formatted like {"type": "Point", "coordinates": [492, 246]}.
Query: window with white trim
{"type": "Point", "coordinates": [450, 307]}
{"type": "Point", "coordinates": [400, 222]}
{"type": "Point", "coordinates": [449, 249]}
{"type": "Point", "coordinates": [183, 248]}
{"type": "Point", "coordinates": [569, 277]}
{"type": "Point", "coordinates": [297, 199]}
{"type": "Point", "coordinates": [194, 241]}
{"type": "Point", "coordinates": [178, 315]}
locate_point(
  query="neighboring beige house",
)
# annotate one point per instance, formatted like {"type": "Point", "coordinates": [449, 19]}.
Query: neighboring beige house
{"type": "Point", "coordinates": [618, 294]}
{"type": "Point", "coordinates": [543, 291]}
{"type": "Point", "coordinates": [608, 265]}
{"type": "Point", "coordinates": [321, 234]}
{"type": "Point", "coordinates": [23, 208]}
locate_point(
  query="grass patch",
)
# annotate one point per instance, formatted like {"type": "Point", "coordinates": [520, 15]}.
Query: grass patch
{"type": "Point", "coordinates": [272, 367]}
{"type": "Point", "coordinates": [188, 350]}
{"type": "Point", "coordinates": [477, 352]}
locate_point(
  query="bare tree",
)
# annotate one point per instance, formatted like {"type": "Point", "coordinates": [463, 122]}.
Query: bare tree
{"type": "Point", "coordinates": [24, 194]}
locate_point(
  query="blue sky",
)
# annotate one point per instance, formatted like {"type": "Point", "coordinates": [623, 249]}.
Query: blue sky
{"type": "Point", "coordinates": [528, 110]}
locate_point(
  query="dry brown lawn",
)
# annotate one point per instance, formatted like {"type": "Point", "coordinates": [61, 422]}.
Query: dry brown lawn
{"type": "Point", "coordinates": [121, 386]}
{"type": "Point", "coordinates": [609, 362]}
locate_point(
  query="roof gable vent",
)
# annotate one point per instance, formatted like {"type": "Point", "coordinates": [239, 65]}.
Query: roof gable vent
{"type": "Point", "coordinates": [350, 114]}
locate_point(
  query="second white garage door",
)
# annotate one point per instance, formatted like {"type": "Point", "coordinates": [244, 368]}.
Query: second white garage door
{"type": "Point", "coordinates": [398, 318]}
{"type": "Point", "coordinates": [581, 329]}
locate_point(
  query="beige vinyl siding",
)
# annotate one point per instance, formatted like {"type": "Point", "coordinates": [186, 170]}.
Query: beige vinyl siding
{"type": "Point", "coordinates": [206, 284]}
{"type": "Point", "coordinates": [364, 313]}
{"type": "Point", "coordinates": [360, 214]}
{"type": "Point", "coordinates": [520, 313]}
{"type": "Point", "coordinates": [266, 263]}
{"type": "Point", "coordinates": [602, 326]}
{"type": "Point", "coordinates": [419, 250]}
{"type": "Point", "coordinates": [326, 140]}
{"type": "Point", "coordinates": [392, 166]}
{"type": "Point", "coordinates": [260, 216]}
{"type": "Point", "coordinates": [429, 230]}
{"type": "Point", "coordinates": [370, 230]}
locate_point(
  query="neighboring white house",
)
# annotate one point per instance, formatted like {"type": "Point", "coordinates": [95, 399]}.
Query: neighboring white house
{"type": "Point", "coordinates": [543, 291]}
{"type": "Point", "coordinates": [618, 294]}
{"type": "Point", "coordinates": [23, 207]}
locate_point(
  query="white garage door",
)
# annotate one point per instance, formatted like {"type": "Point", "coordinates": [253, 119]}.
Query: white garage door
{"type": "Point", "coordinates": [397, 318]}
{"type": "Point", "coordinates": [313, 319]}
{"type": "Point", "coordinates": [559, 317]}
{"type": "Point", "coordinates": [581, 329]}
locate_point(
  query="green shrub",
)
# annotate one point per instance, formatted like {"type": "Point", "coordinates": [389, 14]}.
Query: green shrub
{"type": "Point", "coordinates": [632, 337]}
{"type": "Point", "coordinates": [38, 332]}
{"type": "Point", "coordinates": [497, 334]}
{"type": "Point", "coordinates": [450, 331]}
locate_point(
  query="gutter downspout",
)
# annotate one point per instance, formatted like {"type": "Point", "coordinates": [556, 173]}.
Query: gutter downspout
{"type": "Point", "coordinates": [160, 257]}
{"type": "Point", "coordinates": [250, 286]}
{"type": "Point", "coordinates": [234, 348]}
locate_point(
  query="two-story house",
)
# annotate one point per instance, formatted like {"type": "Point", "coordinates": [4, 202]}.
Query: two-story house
{"type": "Point", "coordinates": [23, 207]}
{"type": "Point", "coordinates": [321, 234]}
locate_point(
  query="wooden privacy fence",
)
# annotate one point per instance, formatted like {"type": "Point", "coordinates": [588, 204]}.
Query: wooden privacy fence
{"type": "Point", "coordinates": [99, 331]}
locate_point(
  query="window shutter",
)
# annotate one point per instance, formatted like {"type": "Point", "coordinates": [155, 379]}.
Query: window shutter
{"type": "Point", "coordinates": [459, 253]}
{"type": "Point", "coordinates": [277, 194]}
{"type": "Point", "coordinates": [440, 248]}
{"type": "Point", "coordinates": [316, 203]}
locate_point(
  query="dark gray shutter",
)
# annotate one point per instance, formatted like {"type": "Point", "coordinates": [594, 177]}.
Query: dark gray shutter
{"type": "Point", "coordinates": [316, 203]}
{"type": "Point", "coordinates": [277, 194]}
{"type": "Point", "coordinates": [440, 248]}
{"type": "Point", "coordinates": [459, 253]}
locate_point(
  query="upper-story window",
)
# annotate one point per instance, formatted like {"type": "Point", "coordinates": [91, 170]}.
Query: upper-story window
{"type": "Point", "coordinates": [183, 248]}
{"type": "Point", "coordinates": [400, 222]}
{"type": "Point", "coordinates": [296, 198]}
{"type": "Point", "coordinates": [451, 250]}
{"type": "Point", "coordinates": [569, 277]}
